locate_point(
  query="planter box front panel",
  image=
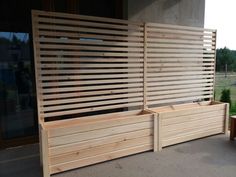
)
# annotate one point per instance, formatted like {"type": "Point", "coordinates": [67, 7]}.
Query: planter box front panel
{"type": "Point", "coordinates": [190, 122]}
{"type": "Point", "coordinates": [94, 140]}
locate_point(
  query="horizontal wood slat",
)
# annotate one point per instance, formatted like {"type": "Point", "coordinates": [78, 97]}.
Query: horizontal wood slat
{"type": "Point", "coordinates": [99, 158]}
{"type": "Point", "coordinates": [56, 141]}
{"type": "Point", "coordinates": [111, 147]}
{"type": "Point", "coordinates": [57, 150]}
{"type": "Point", "coordinates": [194, 125]}
{"type": "Point", "coordinates": [193, 135]}
{"type": "Point", "coordinates": [182, 119]}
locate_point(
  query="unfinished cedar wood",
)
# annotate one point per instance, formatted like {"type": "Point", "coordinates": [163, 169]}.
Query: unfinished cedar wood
{"type": "Point", "coordinates": [75, 65]}
{"type": "Point", "coordinates": [97, 139]}
{"type": "Point", "coordinates": [180, 63]}
{"type": "Point", "coordinates": [88, 66]}
{"type": "Point", "coordinates": [184, 122]}
{"type": "Point", "coordinates": [181, 69]}
{"type": "Point", "coordinates": [91, 65]}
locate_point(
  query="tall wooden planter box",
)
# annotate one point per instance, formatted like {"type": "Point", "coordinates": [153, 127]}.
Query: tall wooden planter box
{"type": "Point", "coordinates": [185, 122]}
{"type": "Point", "coordinates": [69, 144]}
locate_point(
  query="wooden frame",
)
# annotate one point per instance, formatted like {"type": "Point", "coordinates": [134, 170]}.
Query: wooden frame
{"type": "Point", "coordinates": [102, 84]}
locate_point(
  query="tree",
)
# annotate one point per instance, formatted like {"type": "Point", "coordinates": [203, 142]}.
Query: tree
{"type": "Point", "coordinates": [15, 40]}
{"type": "Point", "coordinates": [225, 60]}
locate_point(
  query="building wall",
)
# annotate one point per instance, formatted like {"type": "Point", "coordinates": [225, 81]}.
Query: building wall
{"type": "Point", "coordinates": [179, 12]}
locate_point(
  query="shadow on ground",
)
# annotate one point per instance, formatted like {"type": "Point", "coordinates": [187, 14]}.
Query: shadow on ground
{"type": "Point", "coordinates": [209, 157]}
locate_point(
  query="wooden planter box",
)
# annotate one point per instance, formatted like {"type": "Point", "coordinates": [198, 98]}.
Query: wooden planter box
{"type": "Point", "coordinates": [185, 122]}
{"type": "Point", "coordinates": [90, 65]}
{"type": "Point", "coordinates": [69, 144]}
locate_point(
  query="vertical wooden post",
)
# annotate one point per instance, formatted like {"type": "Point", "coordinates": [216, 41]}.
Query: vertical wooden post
{"type": "Point", "coordinates": [38, 95]}
{"type": "Point", "coordinates": [214, 70]}
{"type": "Point", "coordinates": [156, 139]}
{"type": "Point", "coordinates": [159, 132]}
{"type": "Point", "coordinates": [226, 118]}
{"type": "Point", "coordinates": [145, 67]}
{"type": "Point", "coordinates": [40, 119]}
{"type": "Point", "coordinates": [40, 145]}
{"type": "Point", "coordinates": [45, 155]}
{"type": "Point", "coordinates": [155, 133]}
{"type": "Point", "coordinates": [226, 70]}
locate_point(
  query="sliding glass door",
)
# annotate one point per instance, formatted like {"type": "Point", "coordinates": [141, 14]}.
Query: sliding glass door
{"type": "Point", "coordinates": [18, 118]}
{"type": "Point", "coordinates": [17, 95]}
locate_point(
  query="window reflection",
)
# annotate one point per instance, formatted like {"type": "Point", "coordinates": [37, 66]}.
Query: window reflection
{"type": "Point", "coordinates": [16, 94]}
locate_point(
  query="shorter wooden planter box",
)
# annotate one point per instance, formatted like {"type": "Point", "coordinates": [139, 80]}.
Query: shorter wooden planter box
{"type": "Point", "coordinates": [69, 144]}
{"type": "Point", "coordinates": [184, 122]}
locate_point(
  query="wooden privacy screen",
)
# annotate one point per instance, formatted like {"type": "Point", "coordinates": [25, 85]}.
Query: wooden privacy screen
{"type": "Point", "coordinates": [180, 63]}
{"type": "Point", "coordinates": [87, 64]}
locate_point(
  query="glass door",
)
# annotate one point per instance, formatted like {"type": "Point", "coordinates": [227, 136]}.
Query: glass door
{"type": "Point", "coordinates": [17, 96]}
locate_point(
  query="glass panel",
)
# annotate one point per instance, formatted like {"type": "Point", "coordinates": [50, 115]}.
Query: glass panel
{"type": "Point", "coordinates": [16, 87]}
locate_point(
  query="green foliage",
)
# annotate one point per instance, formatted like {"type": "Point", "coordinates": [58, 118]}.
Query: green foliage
{"type": "Point", "coordinates": [225, 96]}
{"type": "Point", "coordinates": [225, 56]}
{"type": "Point", "coordinates": [233, 109]}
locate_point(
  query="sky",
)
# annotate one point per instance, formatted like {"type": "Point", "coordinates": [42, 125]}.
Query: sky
{"type": "Point", "coordinates": [20, 36]}
{"type": "Point", "coordinates": [221, 15]}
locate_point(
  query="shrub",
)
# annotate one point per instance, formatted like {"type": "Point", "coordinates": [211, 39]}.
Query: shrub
{"type": "Point", "coordinates": [233, 109]}
{"type": "Point", "coordinates": [225, 96]}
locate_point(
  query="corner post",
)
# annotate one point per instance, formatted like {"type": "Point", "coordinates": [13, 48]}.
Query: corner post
{"type": "Point", "coordinates": [34, 21]}
{"type": "Point", "coordinates": [145, 66]}
{"type": "Point", "coordinates": [155, 133]}
{"type": "Point", "coordinates": [214, 69]}
{"type": "Point", "coordinates": [159, 132]}
{"type": "Point", "coordinates": [226, 128]}
{"type": "Point", "coordinates": [45, 153]}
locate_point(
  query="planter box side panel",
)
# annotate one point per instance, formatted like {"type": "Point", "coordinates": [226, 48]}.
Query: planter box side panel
{"type": "Point", "coordinates": [98, 141]}
{"type": "Point", "coordinates": [186, 125]}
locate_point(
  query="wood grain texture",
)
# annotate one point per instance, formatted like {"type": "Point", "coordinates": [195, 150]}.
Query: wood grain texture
{"type": "Point", "coordinates": [181, 123]}
{"type": "Point", "coordinates": [178, 58]}
{"type": "Point", "coordinates": [97, 138]}
{"type": "Point", "coordinates": [87, 64]}
{"type": "Point", "coordinates": [91, 71]}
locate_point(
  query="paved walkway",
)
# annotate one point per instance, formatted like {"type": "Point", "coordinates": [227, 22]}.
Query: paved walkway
{"type": "Point", "coordinates": [209, 157]}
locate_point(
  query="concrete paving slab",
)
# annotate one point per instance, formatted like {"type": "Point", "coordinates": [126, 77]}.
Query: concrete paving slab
{"type": "Point", "coordinates": [209, 157]}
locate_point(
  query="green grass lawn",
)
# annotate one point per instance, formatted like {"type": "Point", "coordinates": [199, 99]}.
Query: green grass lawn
{"type": "Point", "coordinates": [229, 83]}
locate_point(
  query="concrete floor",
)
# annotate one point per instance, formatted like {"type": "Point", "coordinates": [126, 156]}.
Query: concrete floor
{"type": "Point", "coordinates": [209, 157]}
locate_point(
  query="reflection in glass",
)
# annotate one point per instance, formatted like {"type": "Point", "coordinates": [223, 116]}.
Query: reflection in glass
{"type": "Point", "coordinates": [16, 94]}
